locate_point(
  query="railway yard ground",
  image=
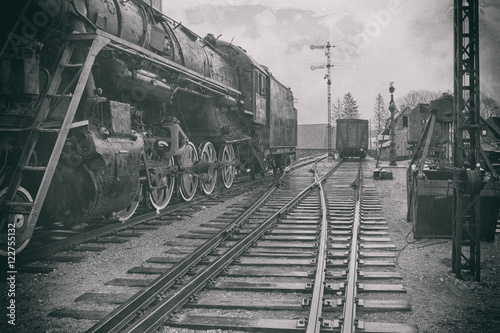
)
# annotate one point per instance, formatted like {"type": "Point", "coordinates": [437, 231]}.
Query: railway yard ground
{"type": "Point", "coordinates": [440, 302]}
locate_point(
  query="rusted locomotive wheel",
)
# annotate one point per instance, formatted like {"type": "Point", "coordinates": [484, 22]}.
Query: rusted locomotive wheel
{"type": "Point", "coordinates": [208, 155]}
{"type": "Point", "coordinates": [228, 172]}
{"type": "Point", "coordinates": [187, 181]}
{"type": "Point", "coordinates": [19, 217]}
{"type": "Point", "coordinates": [128, 212]}
{"type": "Point", "coordinates": [161, 197]}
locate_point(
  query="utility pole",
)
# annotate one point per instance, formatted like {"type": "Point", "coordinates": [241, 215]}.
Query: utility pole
{"type": "Point", "coordinates": [327, 46]}
{"type": "Point", "coordinates": [392, 109]}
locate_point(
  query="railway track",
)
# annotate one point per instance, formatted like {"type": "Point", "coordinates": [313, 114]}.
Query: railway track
{"type": "Point", "coordinates": [47, 243]}
{"type": "Point", "coordinates": [299, 260]}
{"type": "Point", "coordinates": [50, 242]}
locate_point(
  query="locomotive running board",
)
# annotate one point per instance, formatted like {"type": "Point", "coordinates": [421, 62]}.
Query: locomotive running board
{"type": "Point", "coordinates": [146, 55]}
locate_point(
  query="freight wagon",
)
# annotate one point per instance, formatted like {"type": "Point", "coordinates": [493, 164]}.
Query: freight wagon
{"type": "Point", "coordinates": [352, 138]}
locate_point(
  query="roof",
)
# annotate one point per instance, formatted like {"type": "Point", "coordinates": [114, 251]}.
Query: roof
{"type": "Point", "coordinates": [314, 136]}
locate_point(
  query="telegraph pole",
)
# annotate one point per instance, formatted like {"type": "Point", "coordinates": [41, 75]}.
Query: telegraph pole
{"type": "Point", "coordinates": [392, 109]}
{"type": "Point", "coordinates": [327, 46]}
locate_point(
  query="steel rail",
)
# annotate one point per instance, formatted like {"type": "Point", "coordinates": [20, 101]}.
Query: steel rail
{"type": "Point", "coordinates": [314, 322]}
{"type": "Point", "coordinates": [125, 313]}
{"type": "Point", "coordinates": [349, 311]}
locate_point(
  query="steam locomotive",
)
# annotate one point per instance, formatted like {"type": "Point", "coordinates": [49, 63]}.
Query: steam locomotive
{"type": "Point", "coordinates": [105, 104]}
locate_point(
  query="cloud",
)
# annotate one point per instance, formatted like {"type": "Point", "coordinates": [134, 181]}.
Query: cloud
{"type": "Point", "coordinates": [408, 42]}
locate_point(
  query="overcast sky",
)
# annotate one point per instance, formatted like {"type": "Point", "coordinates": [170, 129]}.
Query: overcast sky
{"type": "Point", "coordinates": [378, 41]}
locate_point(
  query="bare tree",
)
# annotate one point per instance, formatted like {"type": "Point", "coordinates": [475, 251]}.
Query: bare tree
{"type": "Point", "coordinates": [415, 97]}
{"type": "Point", "coordinates": [337, 111]}
{"type": "Point", "coordinates": [380, 114]}
{"type": "Point", "coordinates": [489, 107]}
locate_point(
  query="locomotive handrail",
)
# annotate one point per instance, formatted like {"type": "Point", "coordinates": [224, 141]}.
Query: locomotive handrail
{"type": "Point", "coordinates": [130, 48]}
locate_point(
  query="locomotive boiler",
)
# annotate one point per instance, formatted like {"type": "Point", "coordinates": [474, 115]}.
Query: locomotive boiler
{"type": "Point", "coordinates": [107, 104]}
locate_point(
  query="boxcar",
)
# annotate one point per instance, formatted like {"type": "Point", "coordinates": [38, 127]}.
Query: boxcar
{"type": "Point", "coordinates": [352, 138]}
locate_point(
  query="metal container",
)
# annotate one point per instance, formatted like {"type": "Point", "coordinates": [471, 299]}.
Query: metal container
{"type": "Point", "coordinates": [432, 216]}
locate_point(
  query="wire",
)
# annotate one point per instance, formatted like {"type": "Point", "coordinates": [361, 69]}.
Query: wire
{"type": "Point", "coordinates": [425, 242]}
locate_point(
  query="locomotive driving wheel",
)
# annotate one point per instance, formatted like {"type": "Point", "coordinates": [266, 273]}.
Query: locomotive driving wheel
{"type": "Point", "coordinates": [208, 155]}
{"type": "Point", "coordinates": [17, 218]}
{"type": "Point", "coordinates": [161, 197]}
{"type": "Point", "coordinates": [187, 181]}
{"type": "Point", "coordinates": [127, 212]}
{"type": "Point", "coordinates": [228, 172]}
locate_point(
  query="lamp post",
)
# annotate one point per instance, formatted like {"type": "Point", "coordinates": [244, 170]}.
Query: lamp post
{"type": "Point", "coordinates": [327, 46]}
{"type": "Point", "coordinates": [392, 109]}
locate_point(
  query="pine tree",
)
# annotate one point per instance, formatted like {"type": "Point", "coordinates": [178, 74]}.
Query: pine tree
{"type": "Point", "coordinates": [380, 114]}
{"type": "Point", "coordinates": [350, 107]}
{"type": "Point", "coordinates": [337, 111]}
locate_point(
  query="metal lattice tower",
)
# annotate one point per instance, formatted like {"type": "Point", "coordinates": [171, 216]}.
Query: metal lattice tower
{"type": "Point", "coordinates": [466, 146]}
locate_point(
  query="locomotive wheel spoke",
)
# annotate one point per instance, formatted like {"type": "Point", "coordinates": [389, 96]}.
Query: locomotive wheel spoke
{"type": "Point", "coordinates": [161, 197]}
{"type": "Point", "coordinates": [228, 172]}
{"type": "Point", "coordinates": [17, 216]}
{"type": "Point", "coordinates": [128, 212]}
{"type": "Point", "coordinates": [187, 182]}
{"type": "Point", "coordinates": [208, 154]}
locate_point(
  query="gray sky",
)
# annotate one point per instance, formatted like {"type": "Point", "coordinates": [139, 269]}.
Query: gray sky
{"type": "Point", "coordinates": [378, 41]}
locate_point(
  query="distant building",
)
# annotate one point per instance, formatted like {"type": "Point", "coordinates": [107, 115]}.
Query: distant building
{"type": "Point", "coordinates": [439, 147]}
{"type": "Point", "coordinates": [401, 124]}
{"type": "Point", "coordinates": [490, 141]}
{"type": "Point", "coordinates": [312, 139]}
